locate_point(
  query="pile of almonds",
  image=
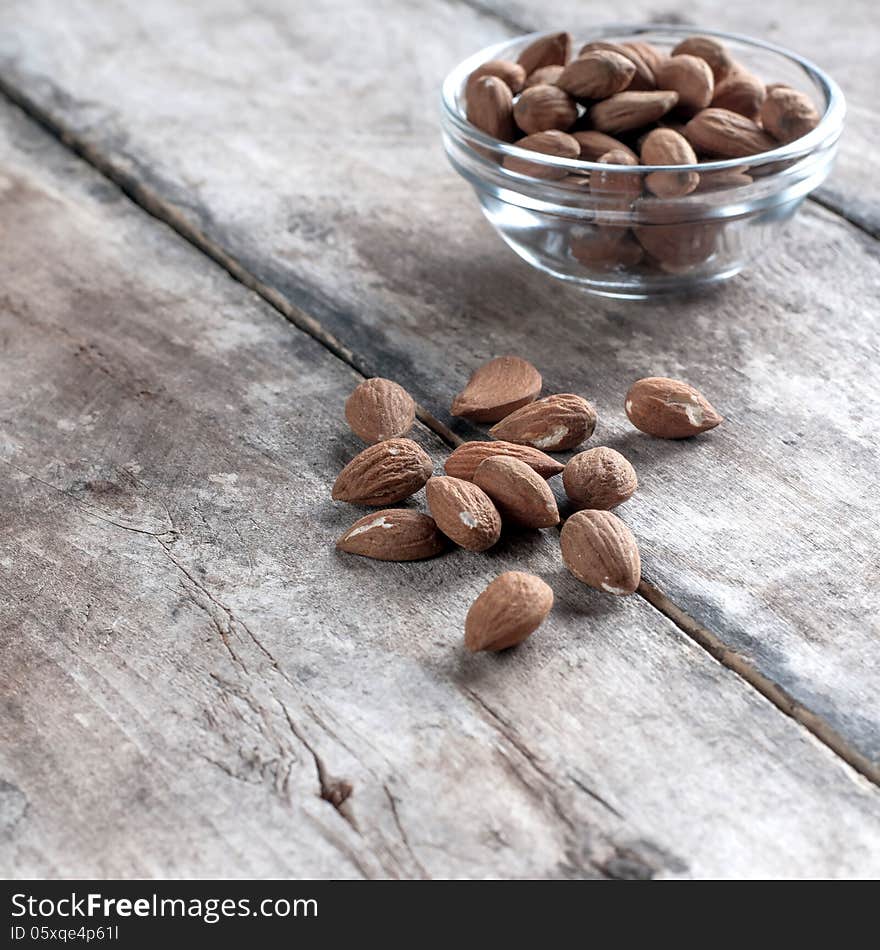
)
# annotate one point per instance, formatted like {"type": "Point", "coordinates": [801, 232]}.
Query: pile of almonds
{"type": "Point", "coordinates": [630, 103]}
{"type": "Point", "coordinates": [505, 481]}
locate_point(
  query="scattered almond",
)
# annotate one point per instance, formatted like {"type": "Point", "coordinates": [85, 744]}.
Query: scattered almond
{"type": "Point", "coordinates": [396, 534]}
{"type": "Point", "coordinates": [463, 512]}
{"type": "Point", "coordinates": [726, 134]}
{"type": "Point", "coordinates": [691, 78]}
{"type": "Point", "coordinates": [631, 110]}
{"type": "Point", "coordinates": [667, 147]}
{"type": "Point", "coordinates": [669, 408]}
{"type": "Point", "coordinates": [599, 478]}
{"type": "Point", "coordinates": [380, 409]}
{"type": "Point", "coordinates": [497, 388]}
{"type": "Point", "coordinates": [788, 114]}
{"type": "Point", "coordinates": [511, 608]}
{"type": "Point", "coordinates": [600, 550]}
{"type": "Point", "coordinates": [597, 74]}
{"type": "Point", "coordinates": [555, 423]}
{"type": "Point", "coordinates": [384, 474]}
{"type": "Point", "coordinates": [518, 491]}
{"type": "Point", "coordinates": [541, 108]}
{"type": "Point", "coordinates": [740, 92]}
{"type": "Point", "coordinates": [490, 107]}
{"type": "Point", "coordinates": [511, 73]}
{"type": "Point", "coordinates": [551, 50]}
{"type": "Point", "coordinates": [463, 461]}
{"type": "Point", "coordinates": [711, 50]}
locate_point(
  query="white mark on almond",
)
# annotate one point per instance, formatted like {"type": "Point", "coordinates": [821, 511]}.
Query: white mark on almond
{"type": "Point", "coordinates": [377, 523]}
{"type": "Point", "coordinates": [468, 519]}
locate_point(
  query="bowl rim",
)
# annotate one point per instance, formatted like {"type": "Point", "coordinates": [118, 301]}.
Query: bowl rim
{"type": "Point", "coordinates": [828, 130]}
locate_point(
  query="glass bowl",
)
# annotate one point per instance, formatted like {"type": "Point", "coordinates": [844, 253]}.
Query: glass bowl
{"type": "Point", "coordinates": [575, 226]}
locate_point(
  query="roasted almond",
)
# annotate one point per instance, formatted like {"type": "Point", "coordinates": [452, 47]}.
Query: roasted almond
{"type": "Point", "coordinates": [384, 474]}
{"type": "Point", "coordinates": [669, 408]}
{"type": "Point", "coordinates": [788, 114]}
{"type": "Point", "coordinates": [599, 478]}
{"type": "Point", "coordinates": [380, 409]}
{"type": "Point", "coordinates": [559, 144]}
{"type": "Point", "coordinates": [596, 144]}
{"type": "Point", "coordinates": [691, 78]}
{"type": "Point", "coordinates": [555, 423]}
{"type": "Point", "coordinates": [600, 550]}
{"type": "Point", "coordinates": [463, 512]}
{"type": "Point", "coordinates": [511, 73]}
{"type": "Point", "coordinates": [541, 108]}
{"type": "Point", "coordinates": [667, 147]}
{"type": "Point", "coordinates": [643, 76]}
{"type": "Point", "coordinates": [740, 92]}
{"type": "Point", "coordinates": [631, 110]}
{"type": "Point", "coordinates": [497, 388]}
{"type": "Point", "coordinates": [726, 134]}
{"type": "Point", "coordinates": [518, 491]}
{"type": "Point", "coordinates": [551, 50]}
{"type": "Point", "coordinates": [511, 608]}
{"type": "Point", "coordinates": [490, 107]}
{"type": "Point", "coordinates": [605, 247]}
{"type": "Point", "coordinates": [545, 76]}
{"type": "Point", "coordinates": [463, 461]}
{"type": "Point", "coordinates": [396, 534]}
{"type": "Point", "coordinates": [711, 50]}
{"type": "Point", "coordinates": [597, 74]}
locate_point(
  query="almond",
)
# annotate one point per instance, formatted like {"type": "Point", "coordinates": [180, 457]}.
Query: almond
{"type": "Point", "coordinates": [511, 73]}
{"type": "Point", "coordinates": [725, 178]}
{"type": "Point", "coordinates": [596, 75]}
{"type": "Point", "coordinates": [497, 388]}
{"type": "Point", "coordinates": [518, 491]}
{"type": "Point", "coordinates": [490, 107]}
{"type": "Point", "coordinates": [691, 78]}
{"type": "Point", "coordinates": [380, 409]}
{"type": "Point", "coordinates": [726, 134]}
{"type": "Point", "coordinates": [548, 143]}
{"type": "Point", "coordinates": [667, 147]}
{"type": "Point", "coordinates": [669, 408]}
{"type": "Point", "coordinates": [708, 49]}
{"type": "Point", "coordinates": [396, 534]}
{"type": "Point", "coordinates": [596, 144]}
{"type": "Point", "coordinates": [555, 424]}
{"type": "Point", "coordinates": [643, 75]}
{"type": "Point", "coordinates": [463, 462]}
{"type": "Point", "coordinates": [631, 110]}
{"type": "Point", "coordinates": [540, 108]}
{"type": "Point", "coordinates": [604, 248]}
{"type": "Point", "coordinates": [513, 606]}
{"type": "Point", "coordinates": [652, 57]}
{"type": "Point", "coordinates": [463, 512]}
{"type": "Point", "coordinates": [384, 474]}
{"type": "Point", "coordinates": [600, 550]}
{"type": "Point", "coordinates": [617, 190]}
{"type": "Point", "coordinates": [788, 114]}
{"type": "Point", "coordinates": [551, 50]}
{"type": "Point", "coordinates": [545, 76]}
{"type": "Point", "coordinates": [740, 92]}
{"type": "Point", "coordinates": [679, 248]}
{"type": "Point", "coordinates": [599, 478]}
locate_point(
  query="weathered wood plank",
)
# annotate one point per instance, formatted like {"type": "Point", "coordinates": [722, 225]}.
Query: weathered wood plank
{"type": "Point", "coordinates": [189, 666]}
{"type": "Point", "coordinates": [762, 532]}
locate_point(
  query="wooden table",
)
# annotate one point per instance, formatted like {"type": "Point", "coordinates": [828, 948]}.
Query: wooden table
{"type": "Point", "coordinates": [216, 218]}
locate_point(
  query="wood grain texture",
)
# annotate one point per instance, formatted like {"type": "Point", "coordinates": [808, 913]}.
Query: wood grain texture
{"type": "Point", "coordinates": [196, 684]}
{"type": "Point", "coordinates": [763, 532]}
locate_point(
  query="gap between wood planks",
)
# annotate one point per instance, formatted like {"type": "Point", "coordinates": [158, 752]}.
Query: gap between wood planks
{"type": "Point", "coordinates": [143, 196]}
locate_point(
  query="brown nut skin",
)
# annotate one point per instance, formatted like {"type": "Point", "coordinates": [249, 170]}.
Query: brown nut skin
{"type": "Point", "coordinates": [463, 461]}
{"type": "Point", "coordinates": [511, 73]}
{"type": "Point", "coordinates": [518, 491]}
{"type": "Point", "coordinates": [601, 551]}
{"type": "Point", "coordinates": [384, 474]}
{"type": "Point", "coordinates": [604, 248]}
{"type": "Point", "coordinates": [511, 608]}
{"type": "Point", "coordinates": [395, 534]}
{"type": "Point", "coordinates": [643, 78]}
{"type": "Point", "coordinates": [490, 107]}
{"type": "Point", "coordinates": [552, 142]}
{"type": "Point", "coordinates": [497, 388]}
{"type": "Point", "coordinates": [463, 512]}
{"type": "Point", "coordinates": [596, 144]}
{"type": "Point", "coordinates": [691, 78]}
{"type": "Point", "coordinates": [669, 408]}
{"type": "Point", "coordinates": [713, 51]}
{"type": "Point", "coordinates": [380, 409]}
{"type": "Point", "coordinates": [596, 75]}
{"type": "Point", "coordinates": [631, 110]}
{"type": "Point", "coordinates": [726, 134]}
{"type": "Point", "coordinates": [788, 114]}
{"type": "Point", "coordinates": [599, 478]}
{"type": "Point", "coordinates": [542, 108]}
{"type": "Point", "coordinates": [741, 92]}
{"type": "Point", "coordinates": [551, 50]}
{"type": "Point", "coordinates": [668, 147]}
{"type": "Point", "coordinates": [545, 76]}
{"type": "Point", "coordinates": [555, 423]}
